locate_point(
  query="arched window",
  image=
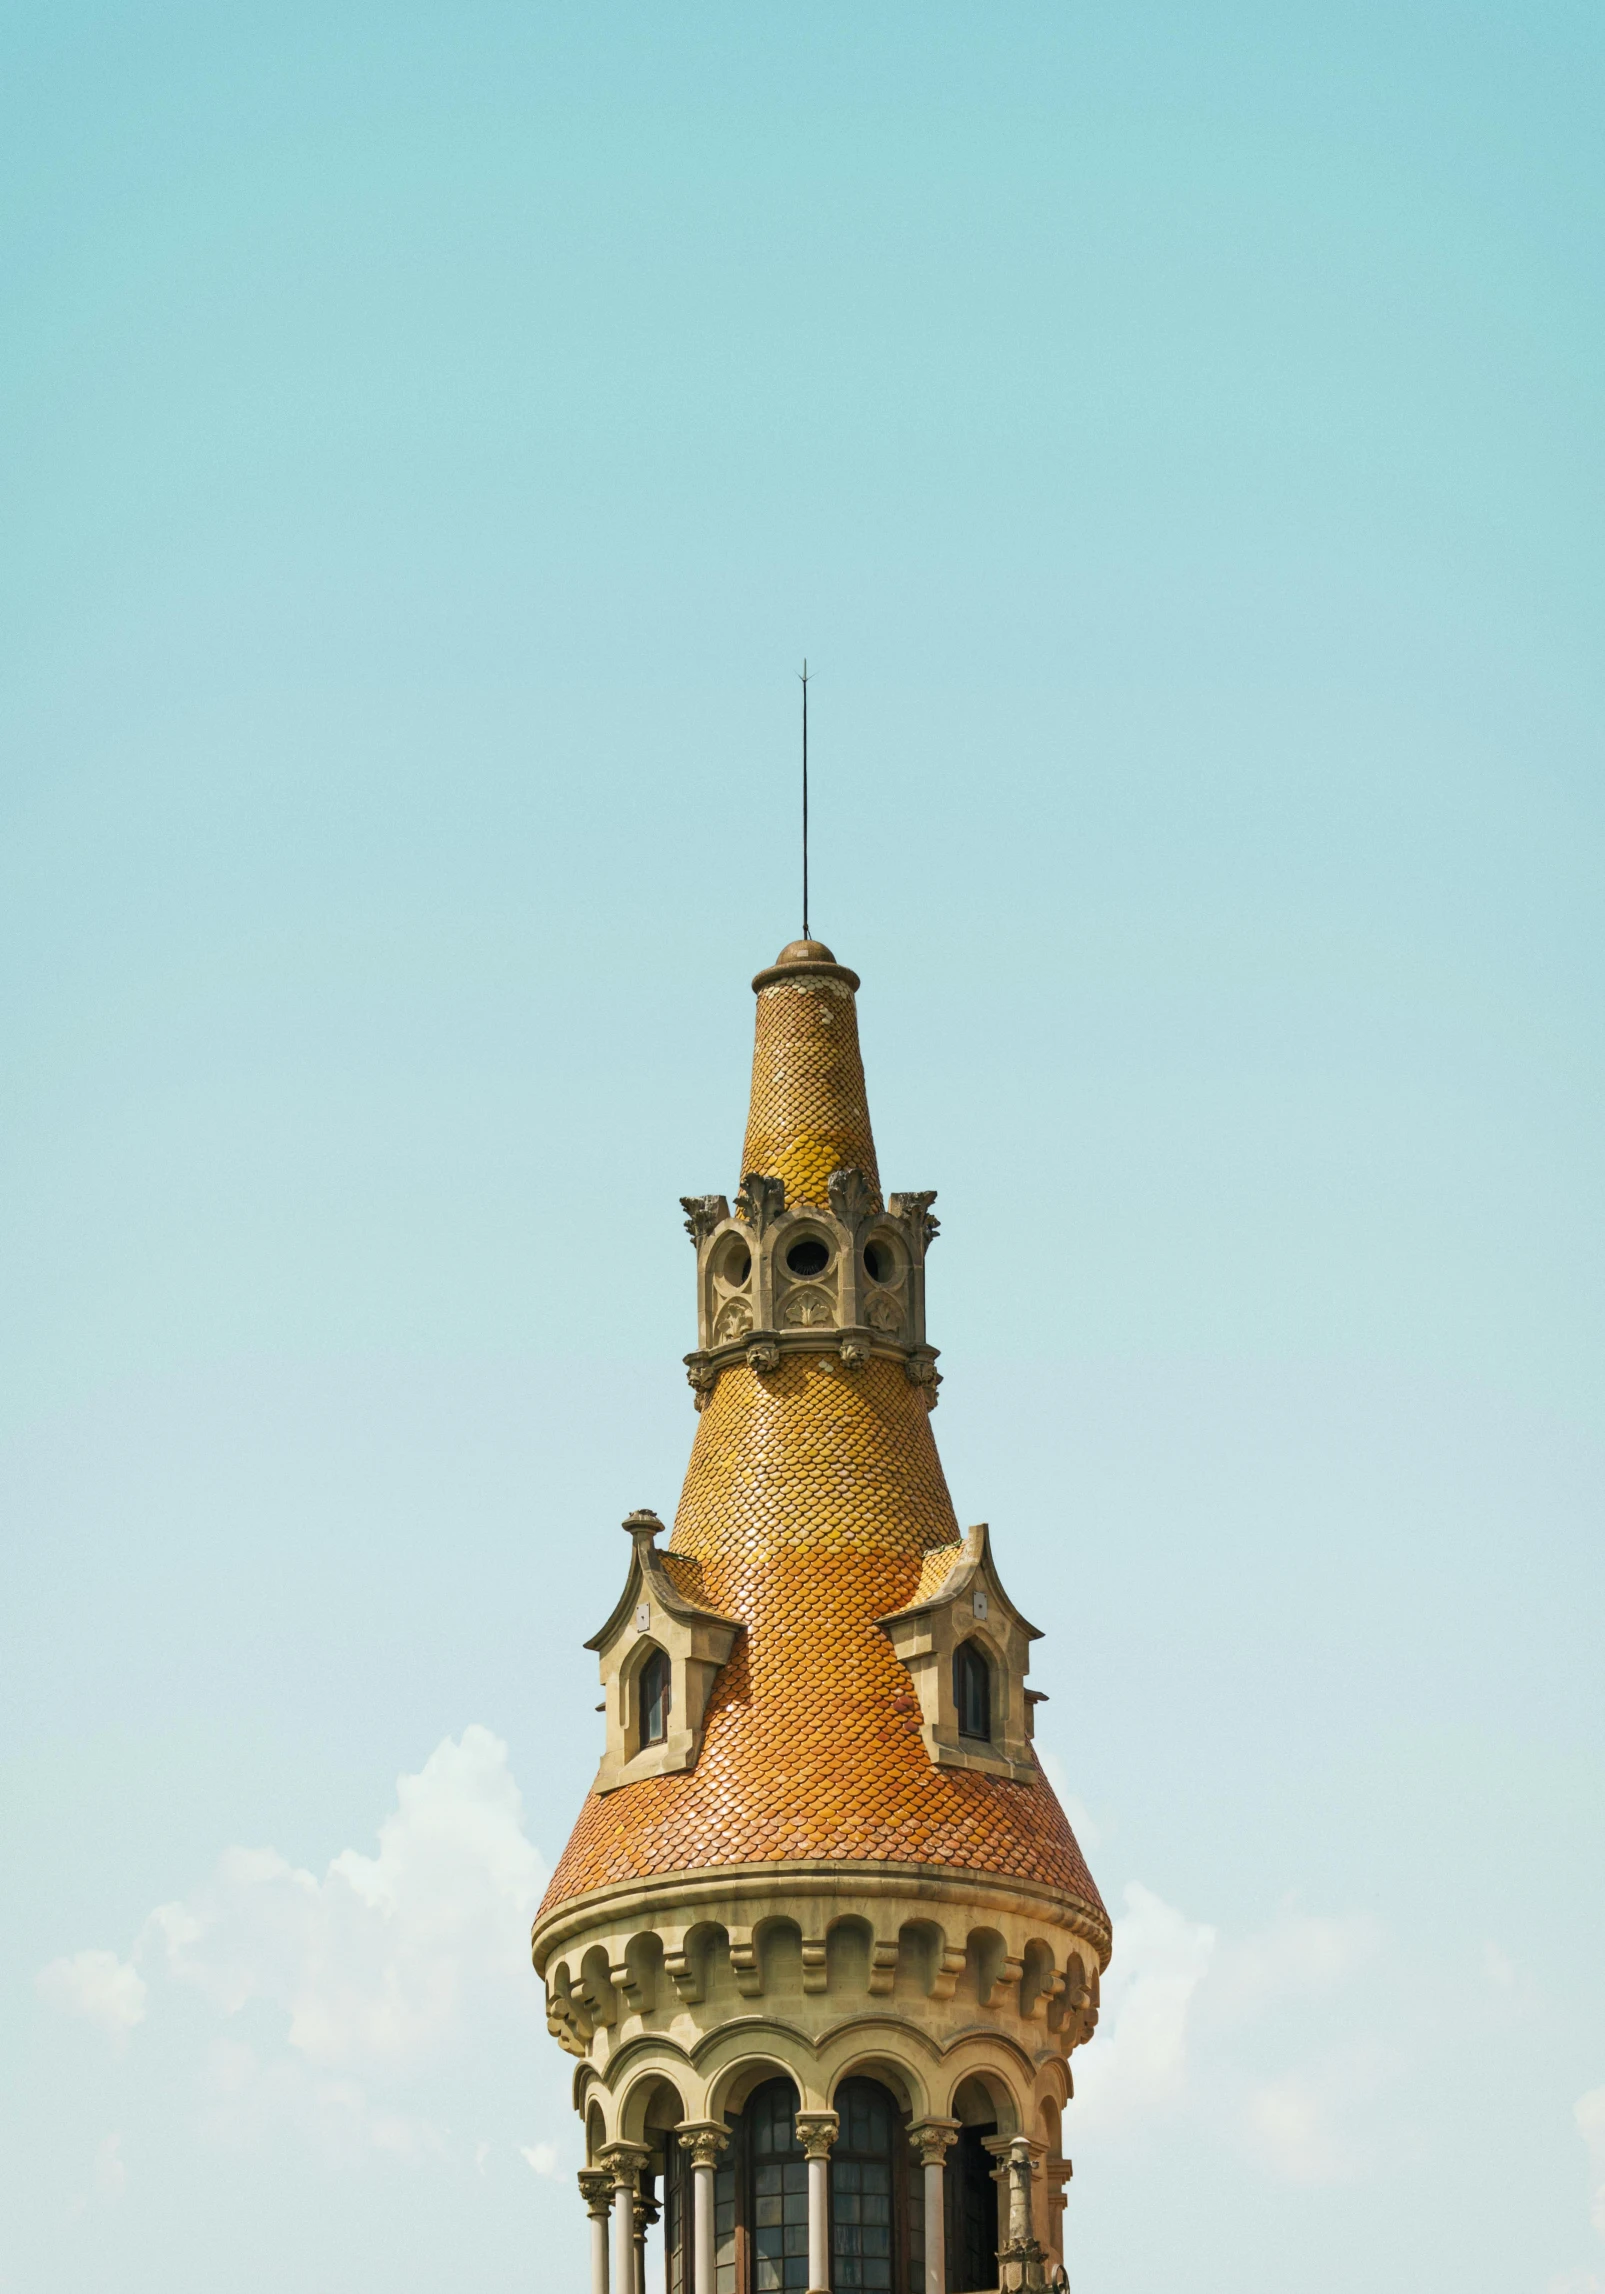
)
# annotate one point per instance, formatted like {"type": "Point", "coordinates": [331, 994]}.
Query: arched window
{"type": "Point", "coordinates": [876, 2219]}
{"type": "Point", "coordinates": [654, 1693]}
{"type": "Point", "coordinates": [972, 1692]}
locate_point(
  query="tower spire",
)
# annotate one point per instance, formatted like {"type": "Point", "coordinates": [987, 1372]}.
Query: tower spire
{"type": "Point", "coordinates": [805, 793]}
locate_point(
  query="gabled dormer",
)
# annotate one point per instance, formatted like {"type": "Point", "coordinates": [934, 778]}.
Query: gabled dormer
{"type": "Point", "coordinates": [967, 1649]}
{"type": "Point", "coordinates": [660, 1653]}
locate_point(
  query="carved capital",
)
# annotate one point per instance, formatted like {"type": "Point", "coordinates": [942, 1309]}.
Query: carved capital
{"type": "Point", "coordinates": [624, 2162]}
{"type": "Point", "coordinates": [702, 1214]}
{"type": "Point", "coordinates": [816, 2131]}
{"type": "Point", "coordinates": [704, 2140]}
{"type": "Point", "coordinates": [763, 1355]}
{"type": "Point", "coordinates": [932, 2139]}
{"type": "Point", "coordinates": [760, 1200]}
{"type": "Point", "coordinates": [596, 2188]}
{"type": "Point", "coordinates": [852, 1198]}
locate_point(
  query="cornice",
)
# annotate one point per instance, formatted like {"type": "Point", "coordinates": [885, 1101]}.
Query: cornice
{"type": "Point", "coordinates": [922, 1883]}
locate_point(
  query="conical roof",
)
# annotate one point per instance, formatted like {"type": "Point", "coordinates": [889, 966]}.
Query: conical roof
{"type": "Point", "coordinates": [814, 1506]}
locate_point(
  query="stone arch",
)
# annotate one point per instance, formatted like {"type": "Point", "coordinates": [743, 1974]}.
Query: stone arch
{"type": "Point", "coordinates": [871, 2055]}
{"type": "Point", "coordinates": [849, 1943]}
{"type": "Point", "coordinates": [778, 1943]}
{"type": "Point", "coordinates": [753, 2058]}
{"type": "Point", "coordinates": [596, 2130]}
{"type": "Point", "coordinates": [649, 2105]}
{"type": "Point", "coordinates": [981, 2095]}
{"type": "Point", "coordinates": [985, 1959]}
{"type": "Point", "coordinates": [595, 1987]}
{"type": "Point", "coordinates": [921, 1948]}
{"type": "Point", "coordinates": [643, 1970]}
{"type": "Point", "coordinates": [1039, 1983]}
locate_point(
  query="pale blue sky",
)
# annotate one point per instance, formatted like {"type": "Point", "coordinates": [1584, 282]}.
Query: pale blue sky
{"type": "Point", "coordinates": [429, 440]}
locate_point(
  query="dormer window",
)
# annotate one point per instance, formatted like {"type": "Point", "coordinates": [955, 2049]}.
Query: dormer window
{"type": "Point", "coordinates": [972, 1692]}
{"type": "Point", "coordinates": [655, 1698]}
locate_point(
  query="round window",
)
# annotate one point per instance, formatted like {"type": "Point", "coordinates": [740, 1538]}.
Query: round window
{"type": "Point", "coordinates": [879, 1262]}
{"type": "Point", "coordinates": [737, 1266]}
{"type": "Point", "coordinates": [810, 1256]}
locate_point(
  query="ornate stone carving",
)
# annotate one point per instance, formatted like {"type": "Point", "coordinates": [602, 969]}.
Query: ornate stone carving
{"type": "Point", "coordinates": [932, 2139]}
{"type": "Point", "coordinates": [763, 1356]}
{"type": "Point", "coordinates": [733, 1322]}
{"type": "Point", "coordinates": [701, 1377]}
{"type": "Point", "coordinates": [705, 2141]}
{"type": "Point", "coordinates": [884, 1313]}
{"type": "Point", "coordinates": [624, 2162]}
{"type": "Point", "coordinates": [854, 1351]}
{"type": "Point", "coordinates": [596, 2188]}
{"type": "Point", "coordinates": [702, 1214]}
{"type": "Point", "coordinates": [916, 1209]}
{"type": "Point", "coordinates": [760, 1200]}
{"type": "Point", "coordinates": [808, 1310]}
{"type": "Point", "coordinates": [816, 2131]}
{"type": "Point", "coordinates": [921, 1370]}
{"type": "Point", "coordinates": [851, 1196]}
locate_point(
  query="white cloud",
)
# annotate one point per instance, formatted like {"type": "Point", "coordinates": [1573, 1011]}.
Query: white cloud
{"type": "Point", "coordinates": [541, 2156]}
{"type": "Point", "coordinates": [340, 1990]}
{"type": "Point", "coordinates": [1308, 2125]}
{"type": "Point", "coordinates": [1190, 2018]}
{"type": "Point", "coordinates": [376, 1965]}
{"type": "Point", "coordinates": [1137, 2066]}
{"type": "Point", "coordinates": [100, 1987]}
{"type": "Point", "coordinates": [1589, 2112]}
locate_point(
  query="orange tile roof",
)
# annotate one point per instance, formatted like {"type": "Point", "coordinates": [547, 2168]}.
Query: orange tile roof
{"type": "Point", "coordinates": [814, 1505]}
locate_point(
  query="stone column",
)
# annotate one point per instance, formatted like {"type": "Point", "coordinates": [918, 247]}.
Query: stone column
{"type": "Point", "coordinates": [624, 2162]}
{"type": "Point", "coordinates": [596, 2188]}
{"type": "Point", "coordinates": [1021, 2261]}
{"type": "Point", "coordinates": [816, 2131]}
{"type": "Point", "coordinates": [646, 2214]}
{"type": "Point", "coordinates": [932, 2139]}
{"type": "Point", "coordinates": [1058, 2173]}
{"type": "Point", "coordinates": [703, 2139]}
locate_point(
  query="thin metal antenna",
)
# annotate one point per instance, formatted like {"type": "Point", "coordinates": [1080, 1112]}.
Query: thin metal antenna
{"type": "Point", "coordinates": [805, 798]}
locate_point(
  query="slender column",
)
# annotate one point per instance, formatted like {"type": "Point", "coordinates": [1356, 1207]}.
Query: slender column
{"type": "Point", "coordinates": [816, 2131]}
{"type": "Point", "coordinates": [646, 2214]}
{"type": "Point", "coordinates": [596, 2188]}
{"type": "Point", "coordinates": [932, 2140]}
{"type": "Point", "coordinates": [624, 2162]}
{"type": "Point", "coordinates": [703, 2139]}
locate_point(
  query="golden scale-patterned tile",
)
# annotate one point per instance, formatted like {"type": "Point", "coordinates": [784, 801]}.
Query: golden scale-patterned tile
{"type": "Point", "coordinates": [815, 1503]}
{"type": "Point", "coordinates": [810, 1112]}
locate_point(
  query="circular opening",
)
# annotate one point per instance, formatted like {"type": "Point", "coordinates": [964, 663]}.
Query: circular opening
{"type": "Point", "coordinates": [879, 1261]}
{"type": "Point", "coordinates": [808, 1257]}
{"type": "Point", "coordinates": [737, 1266]}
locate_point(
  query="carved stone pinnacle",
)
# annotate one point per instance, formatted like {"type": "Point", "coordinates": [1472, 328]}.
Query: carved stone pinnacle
{"type": "Point", "coordinates": [702, 1214]}
{"type": "Point", "coordinates": [760, 1200]}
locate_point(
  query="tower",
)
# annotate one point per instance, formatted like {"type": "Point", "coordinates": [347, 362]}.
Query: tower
{"type": "Point", "coordinates": [822, 1941]}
